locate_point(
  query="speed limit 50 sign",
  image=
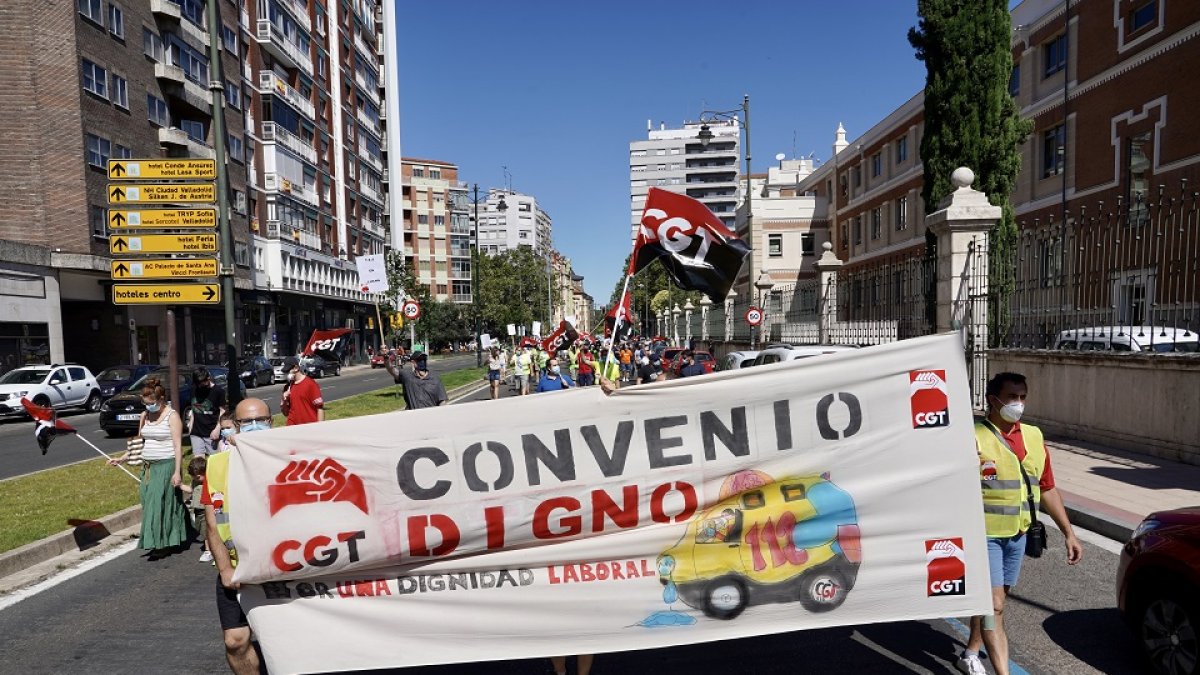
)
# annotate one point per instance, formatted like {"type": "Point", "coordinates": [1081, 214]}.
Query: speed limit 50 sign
{"type": "Point", "coordinates": [411, 310]}
{"type": "Point", "coordinates": [754, 316]}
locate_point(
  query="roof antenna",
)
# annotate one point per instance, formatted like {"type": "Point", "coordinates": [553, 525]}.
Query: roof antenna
{"type": "Point", "coordinates": [793, 144]}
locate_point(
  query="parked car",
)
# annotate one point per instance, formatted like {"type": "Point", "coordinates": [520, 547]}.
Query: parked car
{"type": "Point", "coordinates": [703, 358]}
{"type": "Point", "coordinates": [277, 373]}
{"type": "Point", "coordinates": [777, 353]}
{"type": "Point", "coordinates": [121, 413]}
{"type": "Point", "coordinates": [750, 362]}
{"type": "Point", "coordinates": [115, 379]}
{"type": "Point", "coordinates": [378, 360]}
{"type": "Point", "coordinates": [1153, 339]}
{"type": "Point", "coordinates": [316, 366]}
{"type": "Point", "coordinates": [735, 360]}
{"type": "Point", "coordinates": [256, 371]}
{"type": "Point", "coordinates": [1158, 589]}
{"type": "Point", "coordinates": [58, 386]}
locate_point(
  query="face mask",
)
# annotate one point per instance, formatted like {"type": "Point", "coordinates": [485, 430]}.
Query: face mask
{"type": "Point", "coordinates": [227, 432]}
{"type": "Point", "coordinates": [254, 426]}
{"type": "Point", "coordinates": [291, 377]}
{"type": "Point", "coordinates": [1012, 412]}
{"type": "Point", "coordinates": [153, 407]}
{"type": "Point", "coordinates": [554, 369]}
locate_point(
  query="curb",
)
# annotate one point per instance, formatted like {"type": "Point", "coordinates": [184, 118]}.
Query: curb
{"type": "Point", "coordinates": [1109, 521]}
{"type": "Point", "coordinates": [82, 537]}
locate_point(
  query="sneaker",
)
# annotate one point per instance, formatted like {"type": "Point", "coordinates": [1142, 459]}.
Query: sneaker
{"type": "Point", "coordinates": [970, 664]}
{"type": "Point", "coordinates": [206, 557]}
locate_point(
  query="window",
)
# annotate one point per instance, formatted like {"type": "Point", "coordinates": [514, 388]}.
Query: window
{"type": "Point", "coordinates": [775, 245]}
{"type": "Point", "coordinates": [523, 234]}
{"type": "Point", "coordinates": [98, 220]}
{"type": "Point", "coordinates": [857, 173]}
{"type": "Point", "coordinates": [116, 21]}
{"type": "Point", "coordinates": [121, 152]}
{"type": "Point", "coordinates": [156, 111]}
{"type": "Point", "coordinates": [418, 172]}
{"type": "Point", "coordinates": [1014, 80]}
{"type": "Point", "coordinates": [98, 151]}
{"type": "Point", "coordinates": [858, 229]}
{"type": "Point", "coordinates": [239, 202]}
{"type": "Point", "coordinates": [193, 129]}
{"type": "Point", "coordinates": [1143, 16]}
{"type": "Point", "coordinates": [95, 79]}
{"type": "Point", "coordinates": [1054, 55]}
{"type": "Point", "coordinates": [233, 95]}
{"type": "Point", "coordinates": [439, 220]}
{"type": "Point", "coordinates": [229, 39]}
{"type": "Point", "coordinates": [152, 45]}
{"type": "Point", "coordinates": [1138, 165]}
{"type": "Point", "coordinates": [1053, 146]}
{"type": "Point", "coordinates": [637, 153]}
{"type": "Point", "coordinates": [120, 92]}
{"type": "Point", "coordinates": [902, 149]}
{"type": "Point", "coordinates": [237, 150]}
{"type": "Point", "coordinates": [435, 173]}
{"type": "Point", "coordinates": [92, 10]}
{"type": "Point", "coordinates": [902, 213]}
{"type": "Point", "coordinates": [422, 219]}
{"type": "Point", "coordinates": [807, 244]}
{"type": "Point", "coordinates": [876, 222]}
{"type": "Point", "coordinates": [877, 165]}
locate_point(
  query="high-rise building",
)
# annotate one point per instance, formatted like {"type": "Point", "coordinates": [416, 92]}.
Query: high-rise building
{"type": "Point", "coordinates": [437, 228]}
{"type": "Point", "coordinates": [94, 80]}
{"type": "Point", "coordinates": [510, 219]}
{"type": "Point", "coordinates": [676, 160]}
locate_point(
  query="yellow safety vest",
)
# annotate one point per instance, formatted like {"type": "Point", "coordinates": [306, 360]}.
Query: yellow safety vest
{"type": "Point", "coordinates": [216, 477]}
{"type": "Point", "coordinates": [1005, 497]}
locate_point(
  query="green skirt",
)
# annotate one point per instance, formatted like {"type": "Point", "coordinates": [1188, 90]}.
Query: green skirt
{"type": "Point", "coordinates": [164, 516]}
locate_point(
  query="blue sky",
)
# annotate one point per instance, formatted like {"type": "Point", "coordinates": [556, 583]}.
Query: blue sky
{"type": "Point", "coordinates": [555, 91]}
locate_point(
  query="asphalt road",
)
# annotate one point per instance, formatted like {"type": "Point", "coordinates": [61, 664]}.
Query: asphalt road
{"type": "Point", "coordinates": [135, 616]}
{"type": "Point", "coordinates": [19, 453]}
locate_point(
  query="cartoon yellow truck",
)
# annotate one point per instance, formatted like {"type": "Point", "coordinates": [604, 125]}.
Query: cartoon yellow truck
{"type": "Point", "coordinates": [767, 541]}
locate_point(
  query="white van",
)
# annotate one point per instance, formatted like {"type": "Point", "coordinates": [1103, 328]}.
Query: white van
{"type": "Point", "coordinates": [777, 353]}
{"type": "Point", "coordinates": [734, 360]}
{"type": "Point", "coordinates": [1150, 339]}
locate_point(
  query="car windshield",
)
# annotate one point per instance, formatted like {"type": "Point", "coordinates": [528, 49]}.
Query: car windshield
{"type": "Point", "coordinates": [276, 361]}
{"type": "Point", "coordinates": [24, 376]}
{"type": "Point", "coordinates": [115, 374]}
{"type": "Point", "coordinates": [162, 375]}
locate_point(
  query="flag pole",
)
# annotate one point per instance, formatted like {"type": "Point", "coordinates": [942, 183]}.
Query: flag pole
{"type": "Point", "coordinates": [106, 455]}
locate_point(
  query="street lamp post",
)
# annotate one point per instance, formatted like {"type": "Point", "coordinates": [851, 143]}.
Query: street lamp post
{"type": "Point", "coordinates": [706, 135]}
{"type": "Point", "coordinates": [476, 277]}
{"type": "Point", "coordinates": [764, 284]}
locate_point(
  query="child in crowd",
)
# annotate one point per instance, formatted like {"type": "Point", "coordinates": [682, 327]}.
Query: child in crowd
{"type": "Point", "coordinates": [196, 470]}
{"type": "Point", "coordinates": [225, 432]}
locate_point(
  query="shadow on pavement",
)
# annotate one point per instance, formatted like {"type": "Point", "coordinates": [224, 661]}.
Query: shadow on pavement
{"type": "Point", "coordinates": [1097, 637]}
{"type": "Point", "coordinates": [87, 533]}
{"type": "Point", "coordinates": [1155, 478]}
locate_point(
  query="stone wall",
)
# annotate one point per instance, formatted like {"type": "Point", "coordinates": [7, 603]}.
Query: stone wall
{"type": "Point", "coordinates": [1148, 403]}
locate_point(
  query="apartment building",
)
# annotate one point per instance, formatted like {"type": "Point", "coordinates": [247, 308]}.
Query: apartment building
{"type": "Point", "coordinates": [81, 83]}
{"type": "Point", "coordinates": [676, 160]}
{"type": "Point", "coordinates": [437, 228]}
{"type": "Point", "coordinates": [508, 219]}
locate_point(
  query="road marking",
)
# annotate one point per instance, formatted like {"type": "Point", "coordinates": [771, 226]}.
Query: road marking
{"type": "Point", "coordinates": [85, 566]}
{"type": "Point", "coordinates": [875, 646]}
{"type": "Point", "coordinates": [965, 632]}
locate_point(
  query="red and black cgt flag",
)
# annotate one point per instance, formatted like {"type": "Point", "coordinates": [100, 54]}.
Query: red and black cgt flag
{"type": "Point", "coordinates": [562, 338]}
{"type": "Point", "coordinates": [699, 252]}
{"type": "Point", "coordinates": [622, 311]}
{"type": "Point", "coordinates": [328, 344]}
{"type": "Point", "coordinates": [47, 426]}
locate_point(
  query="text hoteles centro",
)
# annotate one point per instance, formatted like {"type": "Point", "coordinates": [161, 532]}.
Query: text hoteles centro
{"type": "Point", "coordinates": [166, 294]}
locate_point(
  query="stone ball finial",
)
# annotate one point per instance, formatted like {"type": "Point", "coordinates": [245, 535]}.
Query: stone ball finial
{"type": "Point", "coordinates": [827, 246]}
{"type": "Point", "coordinates": [962, 177]}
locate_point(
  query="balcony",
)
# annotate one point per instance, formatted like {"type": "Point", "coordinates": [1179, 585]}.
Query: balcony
{"type": "Point", "coordinates": [270, 83]}
{"type": "Point", "coordinates": [273, 41]}
{"type": "Point", "coordinates": [363, 48]}
{"type": "Point", "coordinates": [373, 162]}
{"type": "Point", "coordinates": [273, 133]}
{"type": "Point", "coordinates": [371, 92]}
{"type": "Point", "coordinates": [176, 83]}
{"type": "Point", "coordinates": [164, 9]}
{"type": "Point", "coordinates": [173, 137]}
{"type": "Point", "coordinates": [299, 11]}
{"type": "Point", "coordinates": [273, 182]}
{"type": "Point", "coordinates": [370, 193]}
{"type": "Point", "coordinates": [369, 124]}
{"type": "Point", "coordinates": [194, 35]}
{"type": "Point", "coordinates": [169, 73]}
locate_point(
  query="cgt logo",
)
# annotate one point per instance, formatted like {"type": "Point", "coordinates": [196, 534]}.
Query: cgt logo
{"type": "Point", "coordinates": [946, 566]}
{"type": "Point", "coordinates": [928, 399]}
{"type": "Point", "coordinates": [307, 481]}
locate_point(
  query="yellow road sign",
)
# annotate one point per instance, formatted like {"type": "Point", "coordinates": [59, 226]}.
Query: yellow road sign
{"type": "Point", "coordinates": [176, 169]}
{"type": "Point", "coordinates": [156, 218]}
{"type": "Point", "coordinates": [163, 243]}
{"type": "Point", "coordinates": [186, 268]}
{"type": "Point", "coordinates": [166, 294]}
{"type": "Point", "coordinates": [151, 193]}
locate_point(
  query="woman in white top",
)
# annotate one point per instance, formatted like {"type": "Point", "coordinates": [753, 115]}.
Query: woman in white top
{"type": "Point", "coordinates": [164, 516]}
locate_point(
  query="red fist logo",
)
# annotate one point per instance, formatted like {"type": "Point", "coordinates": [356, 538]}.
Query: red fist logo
{"type": "Point", "coordinates": [307, 481]}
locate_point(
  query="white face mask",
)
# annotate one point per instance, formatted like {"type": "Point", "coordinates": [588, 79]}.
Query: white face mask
{"type": "Point", "coordinates": [1012, 412]}
{"type": "Point", "coordinates": [291, 377]}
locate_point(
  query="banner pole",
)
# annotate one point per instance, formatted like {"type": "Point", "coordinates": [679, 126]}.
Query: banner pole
{"type": "Point", "coordinates": [612, 347]}
{"type": "Point", "coordinates": [106, 455]}
{"type": "Point", "coordinates": [379, 320]}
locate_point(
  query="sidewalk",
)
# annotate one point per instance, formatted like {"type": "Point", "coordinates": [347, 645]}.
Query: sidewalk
{"type": "Point", "coordinates": [1109, 491]}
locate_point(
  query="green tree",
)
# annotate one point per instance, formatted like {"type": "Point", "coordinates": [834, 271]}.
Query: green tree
{"type": "Point", "coordinates": [971, 119]}
{"type": "Point", "coordinates": [646, 288]}
{"type": "Point", "coordinates": [512, 291]}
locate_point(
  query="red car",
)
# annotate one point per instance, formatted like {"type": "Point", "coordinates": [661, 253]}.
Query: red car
{"type": "Point", "coordinates": [1158, 590]}
{"type": "Point", "coordinates": [378, 360]}
{"type": "Point", "coordinates": [703, 358]}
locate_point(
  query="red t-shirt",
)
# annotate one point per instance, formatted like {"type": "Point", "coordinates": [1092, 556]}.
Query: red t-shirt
{"type": "Point", "coordinates": [1017, 441]}
{"type": "Point", "coordinates": [304, 400]}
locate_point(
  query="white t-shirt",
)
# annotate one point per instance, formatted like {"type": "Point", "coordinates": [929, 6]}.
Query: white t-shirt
{"type": "Point", "coordinates": [157, 435]}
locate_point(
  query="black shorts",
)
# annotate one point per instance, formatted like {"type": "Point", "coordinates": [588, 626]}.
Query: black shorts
{"type": "Point", "coordinates": [228, 608]}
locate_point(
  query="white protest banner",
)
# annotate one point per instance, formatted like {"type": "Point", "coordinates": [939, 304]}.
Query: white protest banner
{"type": "Point", "coordinates": [537, 328]}
{"type": "Point", "coordinates": [372, 273]}
{"type": "Point", "coordinates": [485, 341]}
{"type": "Point", "coordinates": [831, 491]}
{"type": "Point", "coordinates": [512, 329]}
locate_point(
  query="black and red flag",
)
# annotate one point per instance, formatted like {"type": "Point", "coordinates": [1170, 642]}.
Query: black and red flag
{"type": "Point", "coordinates": [562, 338]}
{"type": "Point", "coordinates": [620, 311]}
{"type": "Point", "coordinates": [47, 426]}
{"type": "Point", "coordinates": [328, 344]}
{"type": "Point", "coordinates": [699, 252]}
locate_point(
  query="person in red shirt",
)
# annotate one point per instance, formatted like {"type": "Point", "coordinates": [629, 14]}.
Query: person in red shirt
{"type": "Point", "coordinates": [302, 402]}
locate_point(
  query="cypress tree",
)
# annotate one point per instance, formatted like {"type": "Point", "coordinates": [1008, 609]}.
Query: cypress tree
{"type": "Point", "coordinates": [971, 120]}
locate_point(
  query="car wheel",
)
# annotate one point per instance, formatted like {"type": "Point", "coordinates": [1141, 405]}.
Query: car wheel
{"type": "Point", "coordinates": [725, 597]}
{"type": "Point", "coordinates": [823, 590]}
{"type": "Point", "coordinates": [1168, 630]}
{"type": "Point", "coordinates": [93, 402]}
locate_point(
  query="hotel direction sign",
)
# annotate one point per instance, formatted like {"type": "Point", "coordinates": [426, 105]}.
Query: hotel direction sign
{"type": "Point", "coordinates": [162, 218]}
{"type": "Point", "coordinates": [122, 244]}
{"type": "Point", "coordinates": [166, 294]}
{"type": "Point", "coordinates": [165, 169]}
{"type": "Point", "coordinates": [169, 268]}
{"type": "Point", "coordinates": [167, 193]}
